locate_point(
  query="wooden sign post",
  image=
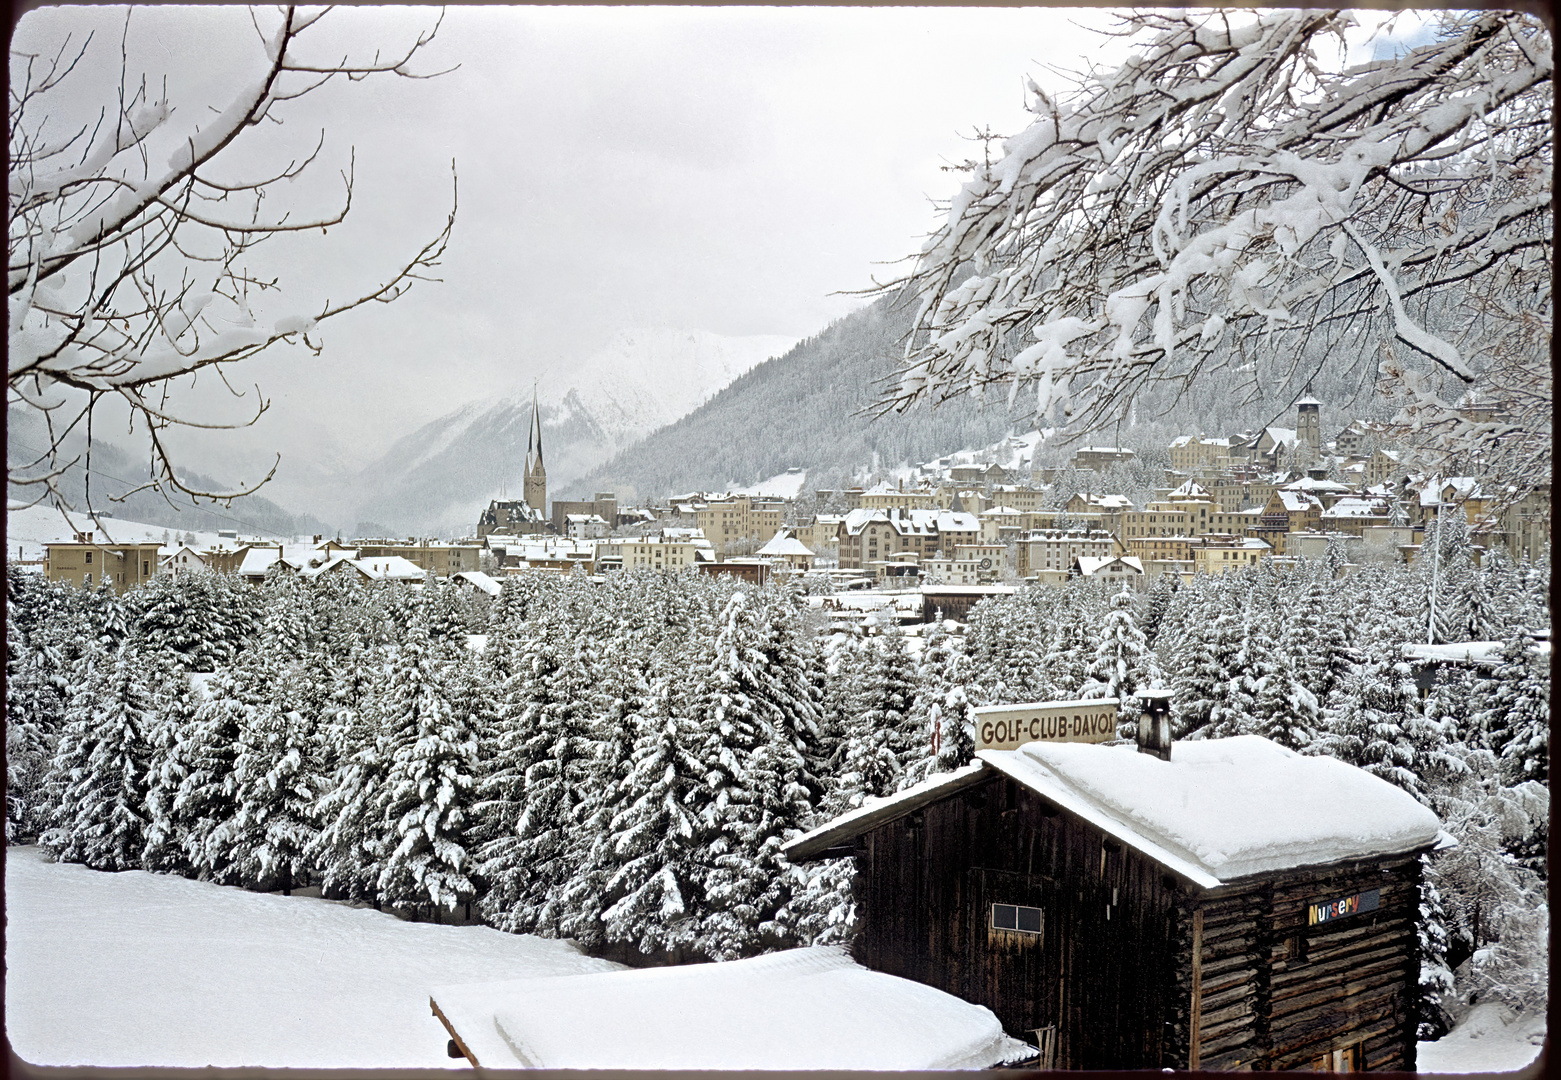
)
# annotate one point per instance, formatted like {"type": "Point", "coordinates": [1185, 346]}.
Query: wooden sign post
{"type": "Point", "coordinates": [1007, 727]}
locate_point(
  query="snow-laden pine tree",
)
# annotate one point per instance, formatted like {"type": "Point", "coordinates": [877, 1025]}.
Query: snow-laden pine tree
{"type": "Point", "coordinates": [1283, 709]}
{"type": "Point", "coordinates": [754, 703]}
{"type": "Point", "coordinates": [276, 785]}
{"type": "Point", "coordinates": [1512, 711]}
{"type": "Point", "coordinates": [1314, 640]}
{"type": "Point", "coordinates": [1123, 663]}
{"type": "Point", "coordinates": [34, 714]}
{"type": "Point", "coordinates": [426, 715]}
{"type": "Point", "coordinates": [98, 797]}
{"type": "Point", "coordinates": [942, 710]}
{"type": "Point", "coordinates": [206, 799]}
{"type": "Point", "coordinates": [177, 704]}
{"type": "Point", "coordinates": [654, 850]}
{"type": "Point", "coordinates": [562, 750]}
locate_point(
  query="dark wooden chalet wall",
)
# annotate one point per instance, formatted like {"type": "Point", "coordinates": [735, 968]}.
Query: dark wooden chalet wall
{"type": "Point", "coordinates": [1102, 967]}
{"type": "Point", "coordinates": [1264, 1007]}
{"type": "Point", "coordinates": [1113, 964]}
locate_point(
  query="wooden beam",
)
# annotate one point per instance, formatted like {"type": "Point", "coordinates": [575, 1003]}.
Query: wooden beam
{"type": "Point", "coordinates": [1195, 1026]}
{"type": "Point", "coordinates": [459, 1042]}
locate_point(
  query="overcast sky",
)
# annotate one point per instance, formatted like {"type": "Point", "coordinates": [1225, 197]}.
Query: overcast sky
{"type": "Point", "coordinates": [724, 169]}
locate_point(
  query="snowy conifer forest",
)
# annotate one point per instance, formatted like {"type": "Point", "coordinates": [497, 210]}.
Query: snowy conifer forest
{"type": "Point", "coordinates": [619, 760]}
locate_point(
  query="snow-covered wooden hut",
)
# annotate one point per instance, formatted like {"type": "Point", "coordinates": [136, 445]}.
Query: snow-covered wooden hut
{"type": "Point", "coordinates": [1237, 906]}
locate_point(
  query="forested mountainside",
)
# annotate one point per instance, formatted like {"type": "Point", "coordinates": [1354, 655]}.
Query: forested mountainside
{"type": "Point", "coordinates": [804, 409]}
{"type": "Point", "coordinates": [113, 473]}
{"type": "Point", "coordinates": [809, 409]}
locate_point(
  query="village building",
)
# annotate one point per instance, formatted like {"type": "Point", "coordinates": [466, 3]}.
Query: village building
{"type": "Point", "coordinates": [1194, 453]}
{"type": "Point", "coordinates": [1215, 554]}
{"type": "Point", "coordinates": [1001, 524]}
{"type": "Point", "coordinates": [752, 571]}
{"type": "Point", "coordinates": [1100, 458]}
{"type": "Point", "coordinates": [1353, 514]}
{"type": "Point", "coordinates": [940, 601]}
{"type": "Point", "coordinates": [1525, 525]}
{"type": "Point", "coordinates": [657, 553]}
{"type": "Point", "coordinates": [510, 517]}
{"type": "Point", "coordinates": [585, 527]}
{"type": "Point", "coordinates": [884, 497]}
{"type": "Point", "coordinates": [787, 550]}
{"type": "Point", "coordinates": [739, 519]}
{"type": "Point", "coordinates": [1224, 904]}
{"type": "Point", "coordinates": [1126, 569]}
{"type": "Point", "coordinates": [1056, 549]}
{"type": "Point", "coordinates": [432, 556]}
{"type": "Point", "coordinates": [88, 563]}
{"type": "Point", "coordinates": [183, 560]}
{"type": "Point", "coordinates": [868, 537]}
{"type": "Point", "coordinates": [603, 505]}
{"type": "Point", "coordinates": [972, 564]}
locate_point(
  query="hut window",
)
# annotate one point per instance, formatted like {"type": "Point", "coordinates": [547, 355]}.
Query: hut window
{"type": "Point", "coordinates": [1344, 1059]}
{"type": "Point", "coordinates": [1295, 949]}
{"type": "Point", "coordinates": [1026, 920]}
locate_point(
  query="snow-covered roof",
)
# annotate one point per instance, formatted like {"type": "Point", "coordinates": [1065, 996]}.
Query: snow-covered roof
{"type": "Point", "coordinates": [1089, 565]}
{"type": "Point", "coordinates": [1223, 809]}
{"type": "Point", "coordinates": [1219, 810]}
{"type": "Point", "coordinates": [1297, 501]}
{"type": "Point", "coordinates": [1306, 483]}
{"type": "Point", "coordinates": [480, 580]}
{"type": "Point", "coordinates": [1485, 653]}
{"type": "Point", "coordinates": [1190, 489]}
{"type": "Point", "coordinates": [1307, 400]}
{"type": "Point", "coordinates": [1001, 511]}
{"type": "Point", "coordinates": [810, 1008]}
{"type": "Point", "coordinates": [784, 544]}
{"type": "Point", "coordinates": [1353, 507]}
{"type": "Point", "coordinates": [1281, 435]}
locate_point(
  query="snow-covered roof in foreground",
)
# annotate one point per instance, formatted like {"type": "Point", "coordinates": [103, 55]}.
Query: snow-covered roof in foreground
{"type": "Point", "coordinates": [1226, 808]}
{"type": "Point", "coordinates": [800, 1009]}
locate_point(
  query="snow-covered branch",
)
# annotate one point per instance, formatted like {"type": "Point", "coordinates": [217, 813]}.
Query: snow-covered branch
{"type": "Point", "coordinates": [126, 273]}
{"type": "Point", "coordinates": [1233, 188]}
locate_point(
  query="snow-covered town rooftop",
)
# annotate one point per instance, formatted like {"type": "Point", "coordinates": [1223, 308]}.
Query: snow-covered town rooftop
{"type": "Point", "coordinates": [1485, 653]}
{"type": "Point", "coordinates": [1219, 810]}
{"type": "Point", "coordinates": [808, 1008]}
{"type": "Point", "coordinates": [783, 543]}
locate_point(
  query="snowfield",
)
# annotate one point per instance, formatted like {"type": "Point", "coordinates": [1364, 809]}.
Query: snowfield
{"type": "Point", "coordinates": [148, 969]}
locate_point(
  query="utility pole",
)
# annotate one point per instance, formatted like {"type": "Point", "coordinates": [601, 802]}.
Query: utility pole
{"type": "Point", "coordinates": [1436, 566]}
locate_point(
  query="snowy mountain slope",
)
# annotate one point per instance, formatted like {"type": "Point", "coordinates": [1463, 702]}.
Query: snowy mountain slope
{"type": "Point", "coordinates": [436, 478]}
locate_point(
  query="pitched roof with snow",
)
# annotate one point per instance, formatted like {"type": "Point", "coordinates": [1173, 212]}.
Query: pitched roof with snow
{"type": "Point", "coordinates": [1089, 565]}
{"type": "Point", "coordinates": [783, 544]}
{"type": "Point", "coordinates": [1219, 810]}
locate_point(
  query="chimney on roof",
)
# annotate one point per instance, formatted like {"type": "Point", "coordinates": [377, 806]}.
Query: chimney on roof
{"type": "Point", "coordinates": [1154, 723]}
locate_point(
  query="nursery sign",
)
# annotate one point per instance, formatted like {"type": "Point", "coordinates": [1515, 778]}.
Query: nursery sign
{"type": "Point", "coordinates": [1344, 905]}
{"type": "Point", "coordinates": [1007, 727]}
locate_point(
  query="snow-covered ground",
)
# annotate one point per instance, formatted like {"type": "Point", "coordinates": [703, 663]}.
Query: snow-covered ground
{"type": "Point", "coordinates": [150, 969]}
{"type": "Point", "coordinates": [1490, 1039]}
{"type": "Point", "coordinates": [30, 528]}
{"type": "Point", "coordinates": [786, 485]}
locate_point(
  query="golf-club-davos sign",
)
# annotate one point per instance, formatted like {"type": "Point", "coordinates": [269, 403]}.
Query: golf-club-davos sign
{"type": "Point", "coordinates": [1007, 727]}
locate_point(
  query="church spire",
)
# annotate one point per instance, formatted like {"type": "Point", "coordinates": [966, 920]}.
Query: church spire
{"type": "Point", "coordinates": [536, 474]}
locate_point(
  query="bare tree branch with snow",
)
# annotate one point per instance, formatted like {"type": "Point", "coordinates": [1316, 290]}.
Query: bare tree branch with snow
{"type": "Point", "coordinates": [127, 274]}
{"type": "Point", "coordinates": [1229, 195]}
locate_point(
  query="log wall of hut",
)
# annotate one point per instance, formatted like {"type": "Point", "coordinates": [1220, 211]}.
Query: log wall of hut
{"type": "Point", "coordinates": [1278, 993]}
{"type": "Point", "coordinates": [1102, 968]}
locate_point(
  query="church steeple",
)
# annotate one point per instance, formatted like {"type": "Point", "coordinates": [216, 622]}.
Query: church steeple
{"type": "Point", "coordinates": [536, 476]}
